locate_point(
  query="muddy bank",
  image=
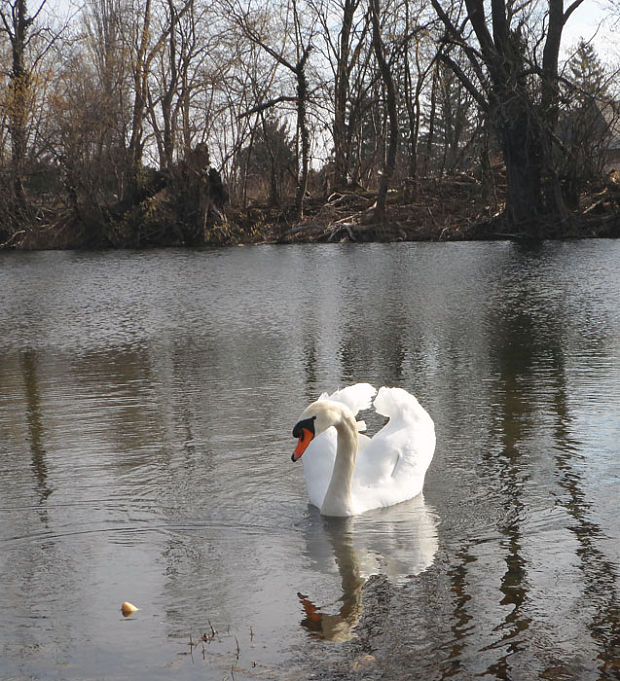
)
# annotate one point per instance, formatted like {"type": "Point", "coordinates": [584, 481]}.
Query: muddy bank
{"type": "Point", "coordinates": [456, 208]}
{"type": "Point", "coordinates": [446, 209]}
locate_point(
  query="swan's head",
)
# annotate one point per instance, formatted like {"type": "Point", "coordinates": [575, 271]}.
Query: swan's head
{"type": "Point", "coordinates": [305, 432]}
{"type": "Point", "coordinates": [316, 418]}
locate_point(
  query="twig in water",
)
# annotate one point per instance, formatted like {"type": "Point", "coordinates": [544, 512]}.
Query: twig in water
{"type": "Point", "coordinates": [191, 645]}
{"type": "Point", "coordinates": [207, 638]}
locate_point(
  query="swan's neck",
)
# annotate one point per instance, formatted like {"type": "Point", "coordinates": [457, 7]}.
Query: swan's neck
{"type": "Point", "coordinates": [338, 500]}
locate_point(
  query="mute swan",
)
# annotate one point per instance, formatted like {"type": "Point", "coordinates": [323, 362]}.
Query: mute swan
{"type": "Point", "coordinates": [360, 473]}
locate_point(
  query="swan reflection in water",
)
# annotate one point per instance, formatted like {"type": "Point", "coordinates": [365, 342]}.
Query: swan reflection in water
{"type": "Point", "coordinates": [399, 542]}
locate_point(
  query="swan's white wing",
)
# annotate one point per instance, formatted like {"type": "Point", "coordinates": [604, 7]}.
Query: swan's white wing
{"type": "Point", "coordinates": [396, 403]}
{"type": "Point", "coordinates": [392, 467]}
{"type": "Point", "coordinates": [357, 397]}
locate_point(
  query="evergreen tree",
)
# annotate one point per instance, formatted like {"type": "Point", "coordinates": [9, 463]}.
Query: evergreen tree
{"type": "Point", "coordinates": [587, 75]}
{"type": "Point", "coordinates": [584, 125]}
{"type": "Point", "coordinates": [270, 157]}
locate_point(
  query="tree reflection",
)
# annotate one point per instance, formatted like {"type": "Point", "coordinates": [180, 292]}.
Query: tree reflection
{"type": "Point", "coordinates": [528, 342]}
{"type": "Point", "coordinates": [28, 360]}
{"type": "Point", "coordinates": [600, 577]}
{"type": "Point", "coordinates": [516, 349]}
{"type": "Point", "coordinates": [461, 615]}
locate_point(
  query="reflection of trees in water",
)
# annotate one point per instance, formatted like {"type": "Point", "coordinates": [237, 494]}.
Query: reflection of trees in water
{"type": "Point", "coordinates": [515, 355]}
{"type": "Point", "coordinates": [532, 383]}
{"type": "Point", "coordinates": [600, 594]}
{"type": "Point", "coordinates": [114, 395]}
{"type": "Point", "coordinates": [521, 333]}
{"type": "Point", "coordinates": [360, 350]}
{"type": "Point", "coordinates": [365, 327]}
{"type": "Point", "coordinates": [309, 364]}
{"type": "Point", "coordinates": [36, 570]}
{"type": "Point", "coordinates": [461, 617]}
{"type": "Point", "coordinates": [28, 361]}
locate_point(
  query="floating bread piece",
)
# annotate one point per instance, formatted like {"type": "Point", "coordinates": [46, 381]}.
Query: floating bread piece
{"type": "Point", "coordinates": [128, 608]}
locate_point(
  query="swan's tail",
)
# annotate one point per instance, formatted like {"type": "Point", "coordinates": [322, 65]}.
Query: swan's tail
{"type": "Point", "coordinates": [396, 402]}
{"type": "Point", "coordinates": [357, 397]}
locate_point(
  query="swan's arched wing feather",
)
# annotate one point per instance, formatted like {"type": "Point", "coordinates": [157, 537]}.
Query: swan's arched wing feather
{"type": "Point", "coordinates": [396, 403]}
{"type": "Point", "coordinates": [393, 465]}
{"type": "Point", "coordinates": [357, 397]}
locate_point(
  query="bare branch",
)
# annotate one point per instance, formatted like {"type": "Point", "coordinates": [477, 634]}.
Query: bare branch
{"type": "Point", "coordinates": [267, 105]}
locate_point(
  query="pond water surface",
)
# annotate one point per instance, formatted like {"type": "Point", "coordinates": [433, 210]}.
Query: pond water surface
{"type": "Point", "coordinates": [146, 407]}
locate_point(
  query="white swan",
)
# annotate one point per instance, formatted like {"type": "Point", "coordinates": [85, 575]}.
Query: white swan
{"type": "Point", "coordinates": [348, 473]}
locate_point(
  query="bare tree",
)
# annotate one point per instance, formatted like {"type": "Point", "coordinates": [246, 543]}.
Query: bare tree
{"type": "Point", "coordinates": [17, 25]}
{"type": "Point", "coordinates": [181, 74]}
{"type": "Point", "coordinates": [302, 47]}
{"type": "Point", "coordinates": [148, 42]}
{"type": "Point", "coordinates": [516, 85]}
{"type": "Point", "coordinates": [345, 29]}
{"type": "Point", "coordinates": [418, 50]}
{"type": "Point", "coordinates": [389, 163]}
{"type": "Point", "coordinates": [249, 81]}
{"type": "Point", "coordinates": [90, 113]}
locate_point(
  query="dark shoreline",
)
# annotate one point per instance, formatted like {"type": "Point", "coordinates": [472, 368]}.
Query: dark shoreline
{"type": "Point", "coordinates": [449, 209]}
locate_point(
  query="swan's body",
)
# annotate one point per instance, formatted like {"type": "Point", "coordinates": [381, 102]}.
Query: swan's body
{"type": "Point", "coordinates": [348, 473]}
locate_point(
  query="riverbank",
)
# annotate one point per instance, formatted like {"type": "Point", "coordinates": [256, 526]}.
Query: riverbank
{"type": "Point", "coordinates": [455, 208]}
{"type": "Point", "coordinates": [435, 209]}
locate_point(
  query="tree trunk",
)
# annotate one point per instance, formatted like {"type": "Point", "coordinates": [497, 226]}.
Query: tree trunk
{"type": "Point", "coordinates": [304, 135]}
{"type": "Point", "coordinates": [523, 159]}
{"type": "Point", "coordinates": [341, 97]}
{"type": "Point", "coordinates": [430, 137]}
{"type": "Point", "coordinates": [389, 163]}
{"type": "Point", "coordinates": [140, 77]}
{"type": "Point", "coordinates": [169, 91]}
{"type": "Point", "coordinates": [521, 103]}
{"type": "Point", "coordinates": [19, 89]}
{"type": "Point", "coordinates": [301, 101]}
{"type": "Point", "coordinates": [412, 102]}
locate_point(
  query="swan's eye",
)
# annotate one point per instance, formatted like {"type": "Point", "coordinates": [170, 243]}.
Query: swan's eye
{"type": "Point", "coordinates": [303, 427]}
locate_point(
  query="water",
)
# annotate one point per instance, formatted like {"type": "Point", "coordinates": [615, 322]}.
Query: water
{"type": "Point", "coordinates": [146, 404]}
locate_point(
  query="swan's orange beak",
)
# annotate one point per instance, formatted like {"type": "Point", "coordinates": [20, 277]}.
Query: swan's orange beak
{"type": "Point", "coordinates": [304, 440]}
{"type": "Point", "coordinates": [304, 430]}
